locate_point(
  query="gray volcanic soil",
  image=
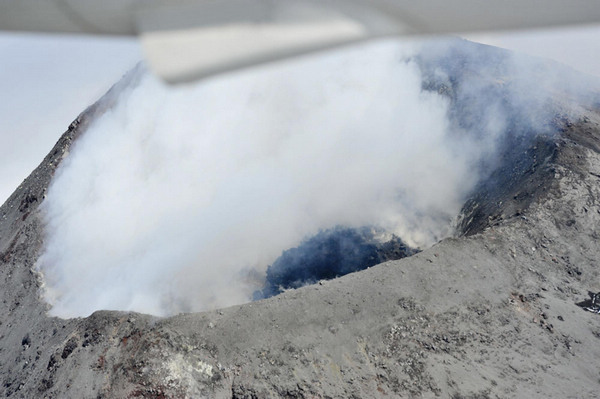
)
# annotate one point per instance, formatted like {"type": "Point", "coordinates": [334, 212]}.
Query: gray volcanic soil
{"type": "Point", "coordinates": [489, 314]}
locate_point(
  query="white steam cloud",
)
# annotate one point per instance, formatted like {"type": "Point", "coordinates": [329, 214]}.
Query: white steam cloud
{"type": "Point", "coordinates": [177, 198]}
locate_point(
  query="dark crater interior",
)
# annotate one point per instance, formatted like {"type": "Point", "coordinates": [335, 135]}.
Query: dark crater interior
{"type": "Point", "coordinates": [330, 254]}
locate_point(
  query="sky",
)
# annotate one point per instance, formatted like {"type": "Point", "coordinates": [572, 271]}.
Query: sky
{"type": "Point", "coordinates": [47, 80]}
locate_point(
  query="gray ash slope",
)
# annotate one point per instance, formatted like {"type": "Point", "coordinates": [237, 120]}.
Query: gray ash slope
{"type": "Point", "coordinates": [490, 313]}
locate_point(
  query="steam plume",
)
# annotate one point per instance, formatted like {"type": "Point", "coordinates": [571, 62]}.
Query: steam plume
{"type": "Point", "coordinates": [177, 199]}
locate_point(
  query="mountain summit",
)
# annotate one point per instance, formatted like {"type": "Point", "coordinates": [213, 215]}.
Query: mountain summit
{"type": "Point", "coordinates": [491, 311]}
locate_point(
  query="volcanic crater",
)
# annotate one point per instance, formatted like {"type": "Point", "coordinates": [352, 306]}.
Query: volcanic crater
{"type": "Point", "coordinates": [490, 312]}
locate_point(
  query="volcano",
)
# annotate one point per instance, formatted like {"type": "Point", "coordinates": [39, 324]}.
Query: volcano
{"type": "Point", "coordinates": [489, 312]}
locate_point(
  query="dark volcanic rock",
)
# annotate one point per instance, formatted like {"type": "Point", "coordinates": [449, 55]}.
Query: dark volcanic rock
{"type": "Point", "coordinates": [592, 304]}
{"type": "Point", "coordinates": [330, 254]}
{"type": "Point", "coordinates": [470, 317]}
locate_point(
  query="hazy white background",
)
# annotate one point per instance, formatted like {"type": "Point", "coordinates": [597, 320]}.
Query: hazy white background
{"type": "Point", "coordinates": [46, 81]}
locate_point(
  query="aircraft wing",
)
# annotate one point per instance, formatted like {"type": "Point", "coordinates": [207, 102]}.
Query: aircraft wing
{"type": "Point", "coordinates": [186, 40]}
